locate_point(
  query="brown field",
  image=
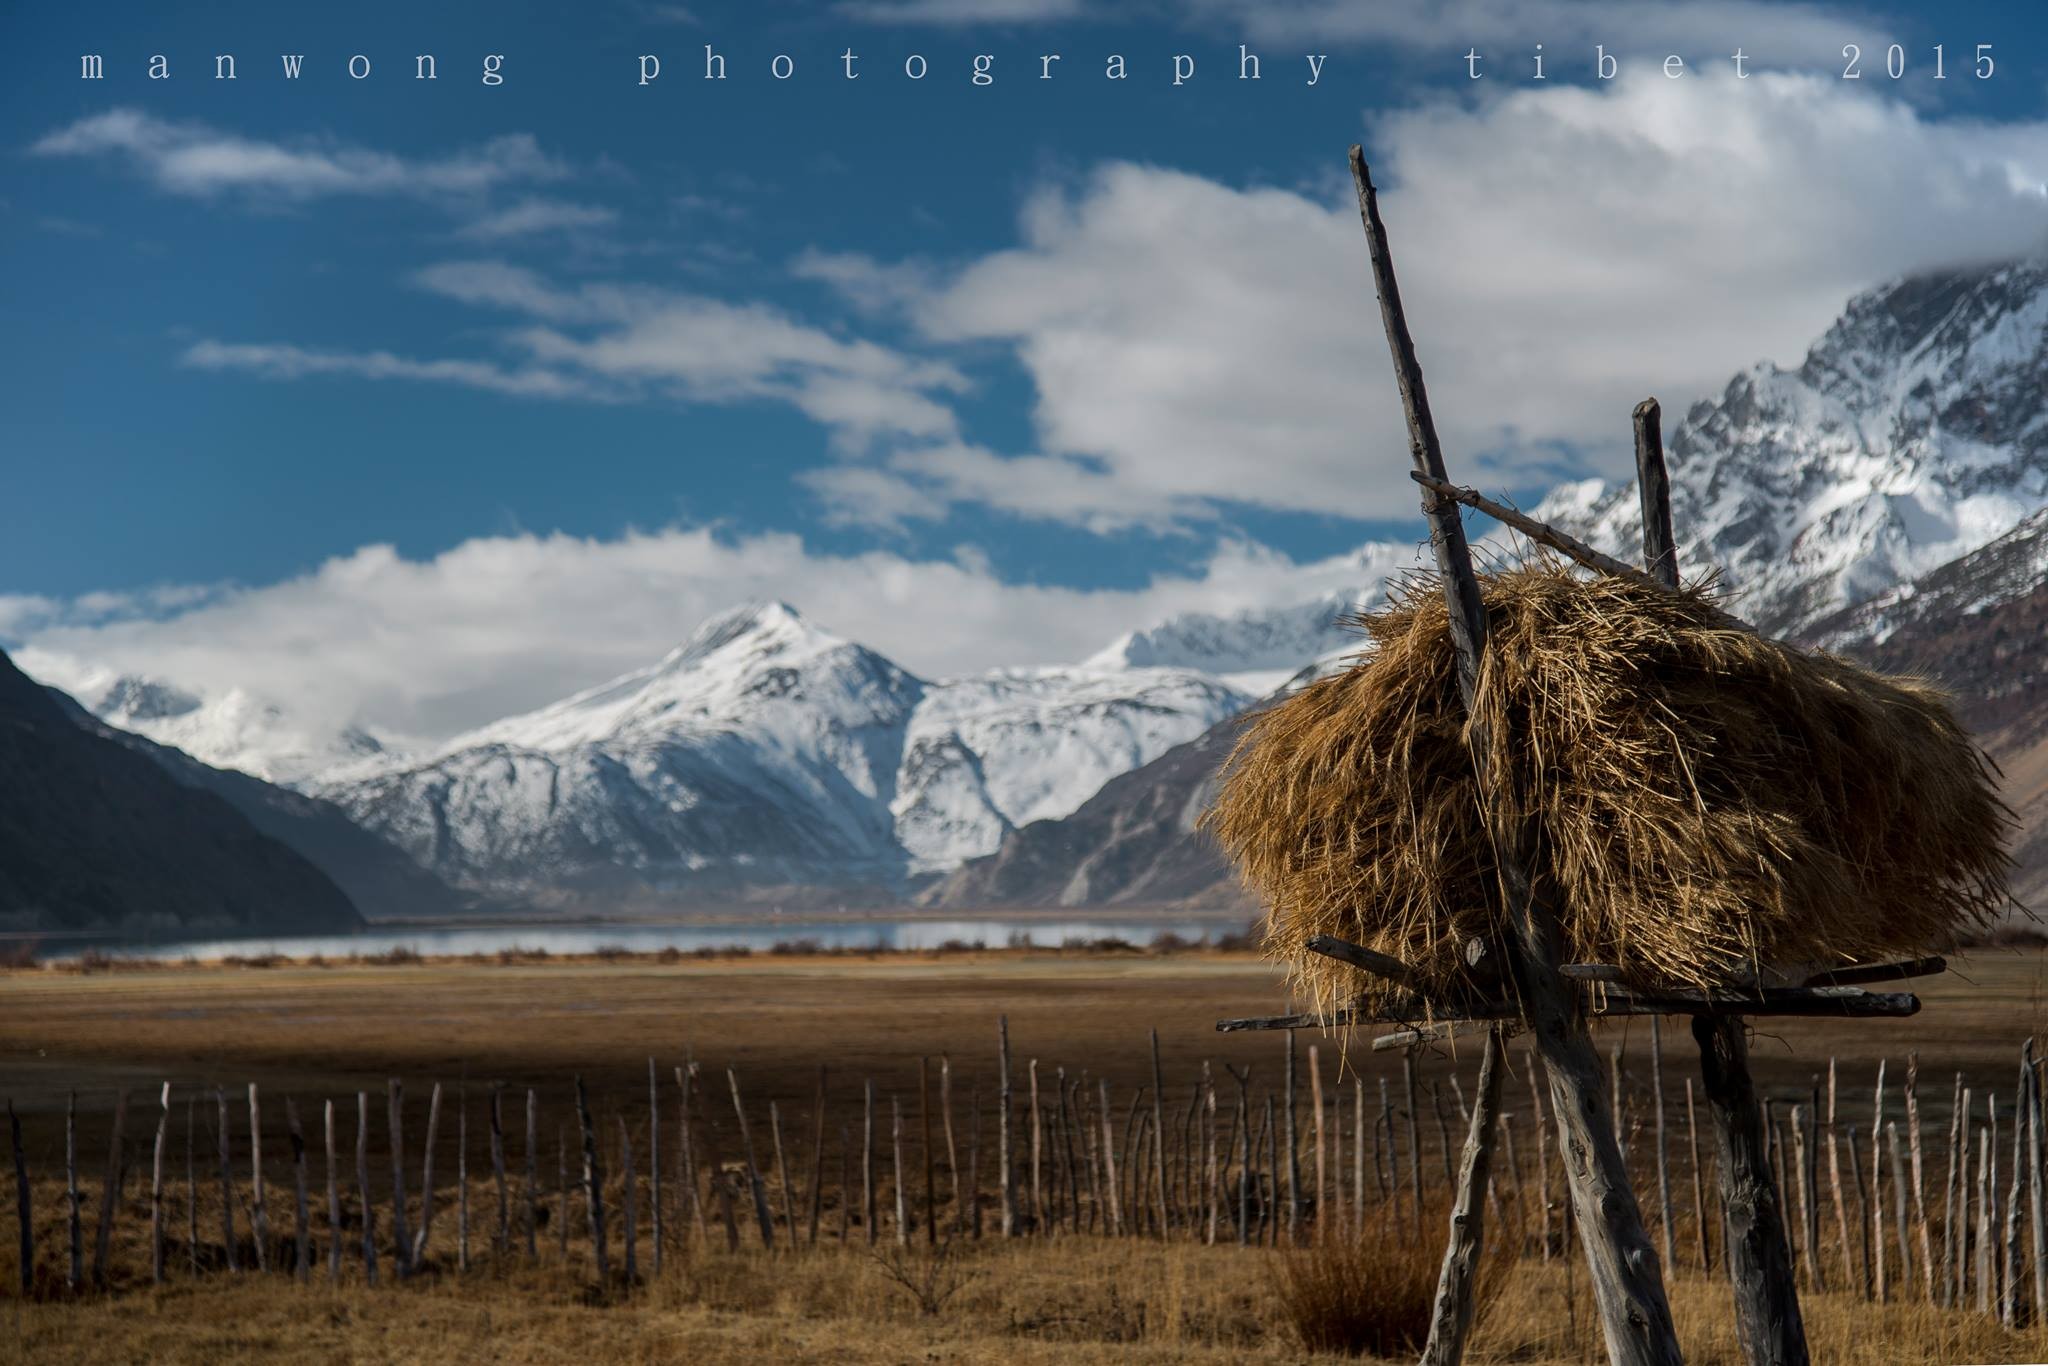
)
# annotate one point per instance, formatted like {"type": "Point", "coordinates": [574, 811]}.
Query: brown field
{"type": "Point", "coordinates": [314, 1033]}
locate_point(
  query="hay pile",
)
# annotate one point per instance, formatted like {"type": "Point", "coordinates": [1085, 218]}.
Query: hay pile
{"type": "Point", "coordinates": [1708, 806]}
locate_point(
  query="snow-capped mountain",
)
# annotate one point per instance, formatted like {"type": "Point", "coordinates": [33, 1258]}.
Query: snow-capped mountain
{"type": "Point", "coordinates": [1255, 649]}
{"type": "Point", "coordinates": [767, 752]}
{"type": "Point", "coordinates": [230, 729]}
{"type": "Point", "coordinates": [1914, 432]}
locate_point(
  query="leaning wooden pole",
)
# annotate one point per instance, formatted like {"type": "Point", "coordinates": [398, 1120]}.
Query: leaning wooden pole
{"type": "Point", "coordinates": [1451, 1318]}
{"type": "Point", "coordinates": [1628, 1284]}
{"type": "Point", "coordinates": [1767, 1318]}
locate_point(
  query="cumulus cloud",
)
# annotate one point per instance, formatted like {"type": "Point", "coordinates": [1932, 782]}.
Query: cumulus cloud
{"type": "Point", "coordinates": [198, 160]}
{"type": "Point", "coordinates": [1563, 252]}
{"type": "Point", "coordinates": [425, 648]}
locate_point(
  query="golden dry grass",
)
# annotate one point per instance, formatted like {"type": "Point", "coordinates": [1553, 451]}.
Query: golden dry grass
{"type": "Point", "coordinates": [1707, 804]}
{"type": "Point", "coordinates": [1076, 1300]}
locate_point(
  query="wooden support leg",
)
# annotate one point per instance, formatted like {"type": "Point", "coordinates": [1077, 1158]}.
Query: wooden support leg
{"type": "Point", "coordinates": [1451, 1317]}
{"type": "Point", "coordinates": [1766, 1299]}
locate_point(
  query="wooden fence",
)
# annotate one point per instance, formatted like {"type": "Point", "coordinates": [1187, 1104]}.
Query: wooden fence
{"type": "Point", "coordinates": [1878, 1201]}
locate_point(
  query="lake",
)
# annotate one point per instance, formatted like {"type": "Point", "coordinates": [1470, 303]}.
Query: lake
{"type": "Point", "coordinates": [758, 935]}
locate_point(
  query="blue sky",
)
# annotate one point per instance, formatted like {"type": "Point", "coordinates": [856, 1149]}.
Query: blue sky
{"type": "Point", "coordinates": [389, 389]}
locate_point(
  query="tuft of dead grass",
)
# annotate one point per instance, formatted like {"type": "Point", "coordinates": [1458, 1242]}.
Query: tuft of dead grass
{"type": "Point", "coordinates": [1709, 806]}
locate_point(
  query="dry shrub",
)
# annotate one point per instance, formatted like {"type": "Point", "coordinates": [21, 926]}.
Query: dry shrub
{"type": "Point", "coordinates": [1706, 805]}
{"type": "Point", "coordinates": [1371, 1295]}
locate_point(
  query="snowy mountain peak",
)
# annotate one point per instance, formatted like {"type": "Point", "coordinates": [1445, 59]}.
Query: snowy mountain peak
{"type": "Point", "coordinates": [1913, 433]}
{"type": "Point", "coordinates": [762, 626]}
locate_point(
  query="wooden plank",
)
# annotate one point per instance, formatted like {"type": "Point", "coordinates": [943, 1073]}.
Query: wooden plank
{"type": "Point", "coordinates": [1451, 1313]}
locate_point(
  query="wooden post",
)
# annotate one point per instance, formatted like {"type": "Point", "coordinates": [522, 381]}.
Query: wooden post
{"type": "Point", "coordinates": [762, 1214]}
{"type": "Point", "coordinates": [1862, 1212]}
{"type": "Point", "coordinates": [1451, 1316]}
{"type": "Point", "coordinates": [562, 1182]}
{"type": "Point", "coordinates": [1899, 1199]}
{"type": "Point", "coordinates": [191, 1189]}
{"type": "Point", "coordinates": [687, 1151]}
{"type": "Point", "coordinates": [420, 1239]}
{"type": "Point", "coordinates": [974, 1164]}
{"type": "Point", "coordinates": [302, 1264]}
{"type": "Point", "coordinates": [1210, 1176]}
{"type": "Point", "coordinates": [24, 1205]}
{"type": "Point", "coordinates": [593, 1180]}
{"type": "Point", "coordinates": [782, 1170]}
{"type": "Point", "coordinates": [2037, 1209]}
{"type": "Point", "coordinates": [1835, 1181]}
{"type": "Point", "coordinates": [1951, 1294]}
{"type": "Point", "coordinates": [156, 1191]}
{"type": "Point", "coordinates": [1628, 1285]}
{"type": "Point", "coordinates": [1322, 1191]}
{"type": "Point", "coordinates": [110, 1191]}
{"type": "Point", "coordinates": [1293, 1143]}
{"type": "Point", "coordinates": [1414, 1136]}
{"type": "Point", "coordinates": [654, 1161]}
{"type": "Point", "coordinates": [1920, 1221]}
{"type": "Point", "coordinates": [1768, 1320]}
{"type": "Point", "coordinates": [1699, 1197]}
{"type": "Point", "coordinates": [1004, 1160]}
{"type": "Point", "coordinates": [75, 1272]}
{"type": "Point", "coordinates": [2014, 1304]}
{"type": "Point", "coordinates": [1039, 1222]}
{"type": "Point", "coordinates": [362, 1187]}
{"type": "Point", "coordinates": [845, 1183]}
{"type": "Point", "coordinates": [1769, 1323]}
{"type": "Point", "coordinates": [462, 1178]}
{"type": "Point", "coordinates": [1881, 1281]}
{"type": "Point", "coordinates": [867, 1153]}
{"type": "Point", "coordinates": [952, 1149]}
{"type": "Point", "coordinates": [896, 1171]}
{"type": "Point", "coordinates": [1985, 1187]}
{"type": "Point", "coordinates": [1801, 1151]}
{"type": "Point", "coordinates": [1358, 1156]}
{"type": "Point", "coordinates": [501, 1241]}
{"type": "Point", "coordinates": [1663, 1171]}
{"type": "Point", "coordinates": [227, 1186]}
{"type": "Point", "coordinates": [629, 1211]}
{"type": "Point", "coordinates": [818, 1160]}
{"type": "Point", "coordinates": [333, 1201]}
{"type": "Point", "coordinates": [533, 1178]}
{"type": "Point", "coordinates": [924, 1124]}
{"type": "Point", "coordinates": [1115, 1222]}
{"type": "Point", "coordinates": [259, 1218]}
{"type": "Point", "coordinates": [401, 1246]}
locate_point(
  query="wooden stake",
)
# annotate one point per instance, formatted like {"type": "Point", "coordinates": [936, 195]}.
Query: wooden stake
{"type": "Point", "coordinates": [1322, 1192]}
{"type": "Point", "coordinates": [362, 1187]}
{"type": "Point", "coordinates": [462, 1178]}
{"type": "Point", "coordinates": [896, 1171]}
{"type": "Point", "coordinates": [762, 1214]}
{"type": "Point", "coordinates": [75, 1272]}
{"type": "Point", "coordinates": [1699, 1197]}
{"type": "Point", "coordinates": [974, 1164]}
{"type": "Point", "coordinates": [818, 1160]}
{"type": "Point", "coordinates": [1951, 1292]}
{"type": "Point", "coordinates": [302, 1264]}
{"type": "Point", "coordinates": [782, 1170]}
{"type": "Point", "coordinates": [420, 1240]}
{"type": "Point", "coordinates": [1004, 1160]}
{"type": "Point", "coordinates": [501, 1243]}
{"type": "Point", "coordinates": [952, 1149]}
{"type": "Point", "coordinates": [1451, 1315]}
{"type": "Point", "coordinates": [227, 1189]}
{"type": "Point", "coordinates": [687, 1153]}
{"type": "Point", "coordinates": [259, 1218]}
{"type": "Point", "coordinates": [1293, 1154]}
{"type": "Point", "coordinates": [867, 1159]}
{"type": "Point", "coordinates": [924, 1124]}
{"type": "Point", "coordinates": [593, 1180]}
{"type": "Point", "coordinates": [1414, 1138]}
{"type": "Point", "coordinates": [629, 1212]}
{"type": "Point", "coordinates": [1920, 1223]}
{"type": "Point", "coordinates": [533, 1177]}
{"type": "Point", "coordinates": [1835, 1187]}
{"type": "Point", "coordinates": [2013, 1305]}
{"type": "Point", "coordinates": [1807, 1252]}
{"type": "Point", "coordinates": [2037, 1210]}
{"type": "Point", "coordinates": [1881, 1281]}
{"type": "Point", "coordinates": [1159, 1126]}
{"type": "Point", "coordinates": [1899, 1201]}
{"type": "Point", "coordinates": [191, 1189]}
{"type": "Point", "coordinates": [401, 1249]}
{"type": "Point", "coordinates": [1115, 1222]}
{"type": "Point", "coordinates": [156, 1194]}
{"type": "Point", "coordinates": [1862, 1211]}
{"type": "Point", "coordinates": [1985, 1188]}
{"type": "Point", "coordinates": [1039, 1222]}
{"type": "Point", "coordinates": [1663, 1171]}
{"type": "Point", "coordinates": [333, 1200]}
{"type": "Point", "coordinates": [653, 1163]}
{"type": "Point", "coordinates": [24, 1206]}
{"type": "Point", "coordinates": [110, 1191]}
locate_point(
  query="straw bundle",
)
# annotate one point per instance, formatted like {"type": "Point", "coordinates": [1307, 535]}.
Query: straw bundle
{"type": "Point", "coordinates": [1709, 808]}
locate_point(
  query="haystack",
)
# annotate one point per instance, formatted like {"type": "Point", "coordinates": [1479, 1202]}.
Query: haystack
{"type": "Point", "coordinates": [1710, 808]}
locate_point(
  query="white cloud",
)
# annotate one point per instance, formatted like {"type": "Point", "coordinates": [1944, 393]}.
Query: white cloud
{"type": "Point", "coordinates": [535, 217]}
{"type": "Point", "coordinates": [197, 160]}
{"type": "Point", "coordinates": [1563, 252]}
{"type": "Point", "coordinates": [614, 342]}
{"type": "Point", "coordinates": [425, 648]}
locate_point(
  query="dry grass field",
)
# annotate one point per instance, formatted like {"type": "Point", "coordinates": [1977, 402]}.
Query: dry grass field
{"type": "Point", "coordinates": [314, 1033]}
